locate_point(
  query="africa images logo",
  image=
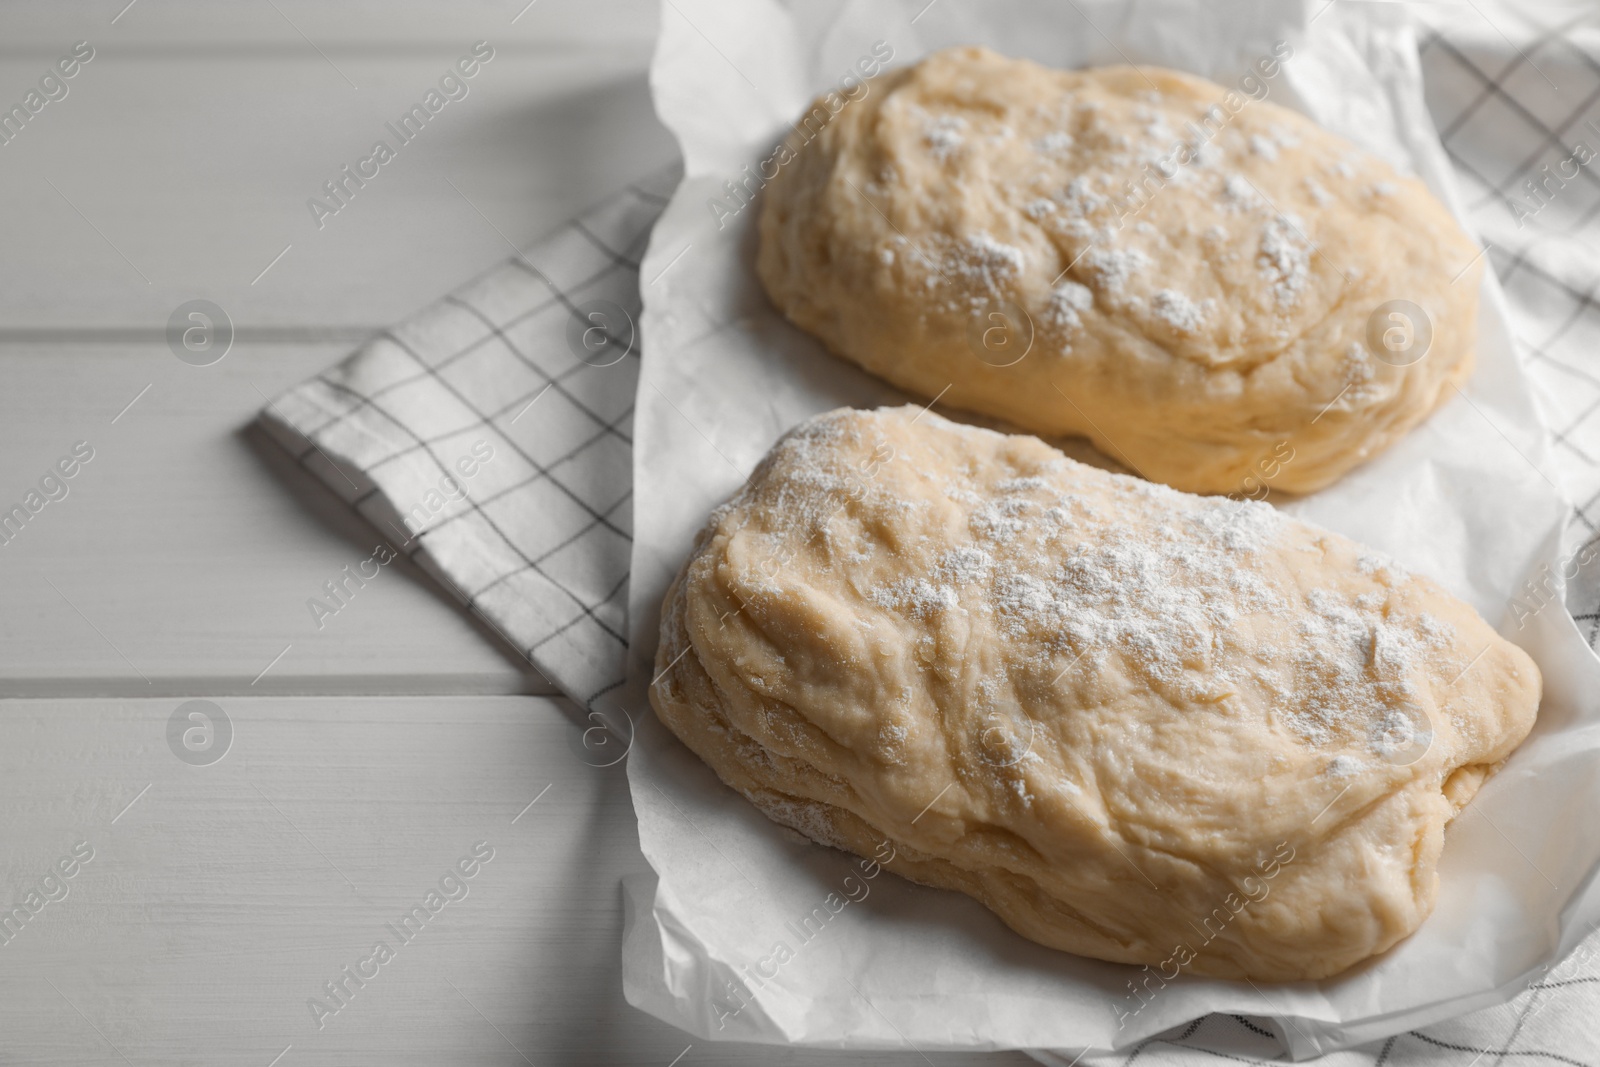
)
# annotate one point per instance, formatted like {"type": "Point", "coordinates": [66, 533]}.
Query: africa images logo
{"type": "Point", "coordinates": [341, 189]}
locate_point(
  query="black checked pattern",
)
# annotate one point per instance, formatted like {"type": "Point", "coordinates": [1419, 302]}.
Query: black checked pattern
{"type": "Point", "coordinates": [1511, 114]}
{"type": "Point", "coordinates": [538, 542]}
{"type": "Point", "coordinates": [540, 547]}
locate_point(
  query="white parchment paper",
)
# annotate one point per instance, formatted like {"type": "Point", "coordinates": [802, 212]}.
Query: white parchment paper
{"type": "Point", "coordinates": [715, 942]}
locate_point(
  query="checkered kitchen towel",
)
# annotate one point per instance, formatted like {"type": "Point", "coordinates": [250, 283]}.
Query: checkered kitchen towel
{"type": "Point", "coordinates": [489, 436]}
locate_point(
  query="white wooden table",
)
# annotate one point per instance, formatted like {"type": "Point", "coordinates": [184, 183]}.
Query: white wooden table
{"type": "Point", "coordinates": [367, 758]}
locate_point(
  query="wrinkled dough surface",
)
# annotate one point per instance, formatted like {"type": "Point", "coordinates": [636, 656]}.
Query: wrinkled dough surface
{"type": "Point", "coordinates": [1197, 321]}
{"type": "Point", "coordinates": [1133, 722]}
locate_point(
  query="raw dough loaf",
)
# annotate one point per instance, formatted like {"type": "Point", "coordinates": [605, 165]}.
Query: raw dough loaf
{"type": "Point", "coordinates": [1139, 725]}
{"type": "Point", "coordinates": [1197, 339]}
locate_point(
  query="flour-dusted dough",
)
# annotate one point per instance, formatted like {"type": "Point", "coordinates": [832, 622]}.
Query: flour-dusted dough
{"type": "Point", "coordinates": [1139, 725]}
{"type": "Point", "coordinates": [1198, 328]}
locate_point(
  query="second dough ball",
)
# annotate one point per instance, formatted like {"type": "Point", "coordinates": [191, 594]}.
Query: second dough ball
{"type": "Point", "coordinates": [1219, 293]}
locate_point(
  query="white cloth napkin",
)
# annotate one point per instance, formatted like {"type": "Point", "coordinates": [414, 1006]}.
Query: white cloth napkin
{"type": "Point", "coordinates": [489, 436]}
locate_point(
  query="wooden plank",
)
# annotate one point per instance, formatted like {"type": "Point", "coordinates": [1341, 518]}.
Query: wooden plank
{"type": "Point", "coordinates": [182, 556]}
{"type": "Point", "coordinates": [301, 24]}
{"type": "Point", "coordinates": [165, 176]}
{"type": "Point", "coordinates": [221, 898]}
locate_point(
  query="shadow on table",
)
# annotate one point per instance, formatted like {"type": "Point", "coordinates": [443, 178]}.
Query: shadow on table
{"type": "Point", "coordinates": [345, 522]}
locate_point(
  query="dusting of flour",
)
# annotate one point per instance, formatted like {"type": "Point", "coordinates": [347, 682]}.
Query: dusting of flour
{"type": "Point", "coordinates": [1074, 567]}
